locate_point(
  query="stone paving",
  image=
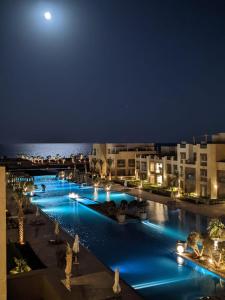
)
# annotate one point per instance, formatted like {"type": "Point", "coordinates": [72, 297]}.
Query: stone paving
{"type": "Point", "coordinates": [96, 280]}
{"type": "Point", "coordinates": [213, 210]}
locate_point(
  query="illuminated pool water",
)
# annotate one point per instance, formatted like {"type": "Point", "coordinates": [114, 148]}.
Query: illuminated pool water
{"type": "Point", "coordinates": [62, 187]}
{"type": "Point", "coordinates": [143, 251]}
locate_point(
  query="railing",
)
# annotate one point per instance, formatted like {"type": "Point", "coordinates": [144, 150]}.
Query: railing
{"type": "Point", "coordinates": [190, 161]}
{"type": "Point", "coordinates": [204, 179]}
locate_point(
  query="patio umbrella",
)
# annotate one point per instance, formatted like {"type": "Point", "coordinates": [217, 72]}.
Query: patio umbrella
{"type": "Point", "coordinates": [125, 183]}
{"type": "Point", "coordinates": [76, 248]}
{"type": "Point", "coordinates": [68, 269]}
{"type": "Point", "coordinates": [116, 286]}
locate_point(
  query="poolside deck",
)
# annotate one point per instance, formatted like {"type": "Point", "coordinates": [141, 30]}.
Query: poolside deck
{"type": "Point", "coordinates": [211, 211]}
{"type": "Point", "coordinates": [92, 279]}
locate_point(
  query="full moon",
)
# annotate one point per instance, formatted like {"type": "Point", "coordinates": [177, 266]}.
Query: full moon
{"type": "Point", "coordinates": [47, 16]}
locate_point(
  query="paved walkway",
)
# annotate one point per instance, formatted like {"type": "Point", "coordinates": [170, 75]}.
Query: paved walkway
{"type": "Point", "coordinates": [93, 285]}
{"type": "Point", "coordinates": [213, 211]}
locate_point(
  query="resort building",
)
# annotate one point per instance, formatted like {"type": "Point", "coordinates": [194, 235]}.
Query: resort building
{"type": "Point", "coordinates": [196, 169]}
{"type": "Point", "coordinates": [120, 159]}
{"type": "Point", "coordinates": [3, 234]}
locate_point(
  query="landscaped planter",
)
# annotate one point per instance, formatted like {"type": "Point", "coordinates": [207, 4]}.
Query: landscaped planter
{"type": "Point", "coordinates": [121, 218]}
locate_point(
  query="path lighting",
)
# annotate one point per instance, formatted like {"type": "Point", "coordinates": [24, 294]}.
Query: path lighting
{"type": "Point", "coordinates": [108, 188]}
{"type": "Point", "coordinates": [181, 246]}
{"type": "Point", "coordinates": [73, 196]}
{"type": "Point", "coordinates": [180, 261]}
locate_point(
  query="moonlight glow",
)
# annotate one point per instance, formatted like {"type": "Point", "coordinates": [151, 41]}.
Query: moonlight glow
{"type": "Point", "coordinates": [47, 16]}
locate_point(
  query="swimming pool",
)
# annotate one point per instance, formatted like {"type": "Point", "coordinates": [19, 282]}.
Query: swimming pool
{"type": "Point", "coordinates": [63, 187]}
{"type": "Point", "coordinates": [143, 251]}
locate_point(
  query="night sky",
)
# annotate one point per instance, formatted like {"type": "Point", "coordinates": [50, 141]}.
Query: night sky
{"type": "Point", "coordinates": [111, 70]}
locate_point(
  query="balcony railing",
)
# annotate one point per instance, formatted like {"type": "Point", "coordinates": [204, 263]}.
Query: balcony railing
{"type": "Point", "coordinates": [203, 178]}
{"type": "Point", "coordinates": [190, 161]}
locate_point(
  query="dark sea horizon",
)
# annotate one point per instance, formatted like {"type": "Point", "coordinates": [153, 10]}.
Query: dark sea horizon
{"type": "Point", "coordinates": [44, 149]}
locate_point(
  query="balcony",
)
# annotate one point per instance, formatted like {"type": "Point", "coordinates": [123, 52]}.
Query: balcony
{"type": "Point", "coordinates": [190, 161]}
{"type": "Point", "coordinates": [203, 179]}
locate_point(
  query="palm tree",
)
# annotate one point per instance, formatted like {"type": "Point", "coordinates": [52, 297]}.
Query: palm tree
{"type": "Point", "coordinates": [193, 240]}
{"type": "Point", "coordinates": [20, 220]}
{"type": "Point", "coordinates": [57, 157]}
{"type": "Point", "coordinates": [110, 163]}
{"type": "Point", "coordinates": [175, 179]}
{"type": "Point", "coordinates": [49, 158]}
{"type": "Point", "coordinates": [94, 163]}
{"type": "Point", "coordinates": [101, 163]}
{"type": "Point", "coordinates": [215, 229]}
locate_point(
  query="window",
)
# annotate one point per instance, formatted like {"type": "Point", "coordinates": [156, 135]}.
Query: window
{"type": "Point", "coordinates": [203, 159]}
{"type": "Point", "coordinates": [169, 169]}
{"type": "Point", "coordinates": [203, 175]}
{"type": "Point", "coordinates": [181, 171]}
{"type": "Point", "coordinates": [94, 151]}
{"type": "Point", "coordinates": [152, 167]}
{"type": "Point", "coordinates": [158, 167]}
{"type": "Point", "coordinates": [143, 166]}
{"type": "Point", "coordinates": [131, 163]}
{"type": "Point", "coordinates": [159, 179]}
{"type": "Point", "coordinates": [203, 172]}
{"type": "Point", "coordinates": [121, 163]}
{"type": "Point", "coordinates": [182, 155]}
{"type": "Point", "coordinates": [109, 150]}
{"type": "Point", "coordinates": [175, 169]}
{"type": "Point", "coordinates": [138, 164]}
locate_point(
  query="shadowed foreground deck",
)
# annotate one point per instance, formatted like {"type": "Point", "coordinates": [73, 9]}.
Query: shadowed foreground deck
{"type": "Point", "coordinates": [92, 279]}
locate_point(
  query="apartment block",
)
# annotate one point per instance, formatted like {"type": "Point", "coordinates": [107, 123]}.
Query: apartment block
{"type": "Point", "coordinates": [117, 159]}
{"type": "Point", "coordinates": [195, 169]}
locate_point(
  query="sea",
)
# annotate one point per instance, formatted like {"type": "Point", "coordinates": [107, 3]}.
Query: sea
{"type": "Point", "coordinates": [44, 149]}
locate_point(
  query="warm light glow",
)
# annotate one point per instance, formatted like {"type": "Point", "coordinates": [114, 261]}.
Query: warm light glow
{"type": "Point", "coordinates": [215, 245]}
{"type": "Point", "coordinates": [159, 179]}
{"type": "Point", "coordinates": [180, 261]}
{"type": "Point", "coordinates": [47, 16]}
{"type": "Point", "coordinates": [108, 188]}
{"type": "Point", "coordinates": [73, 196]}
{"type": "Point", "coordinates": [107, 196]}
{"type": "Point", "coordinates": [210, 260]}
{"type": "Point", "coordinates": [180, 249]}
